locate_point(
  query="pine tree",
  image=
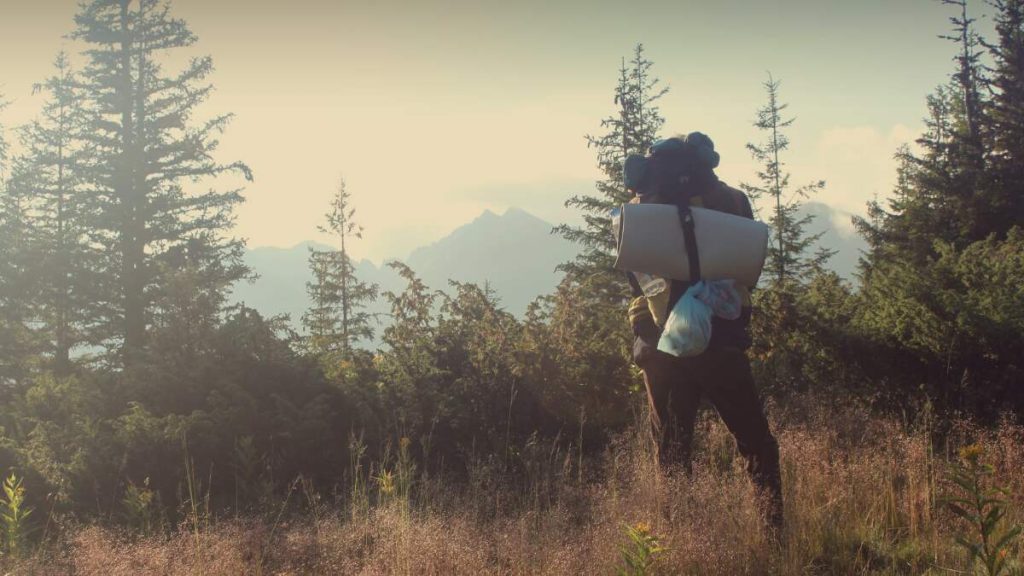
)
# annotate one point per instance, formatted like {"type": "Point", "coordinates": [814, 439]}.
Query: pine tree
{"type": "Point", "coordinates": [63, 260]}
{"type": "Point", "coordinates": [968, 73]}
{"type": "Point", "coordinates": [948, 191]}
{"type": "Point", "coordinates": [1005, 114]}
{"type": "Point", "coordinates": [411, 382]}
{"type": "Point", "coordinates": [338, 319]}
{"type": "Point", "coordinates": [145, 147]}
{"type": "Point", "coordinates": [933, 263]}
{"type": "Point", "coordinates": [321, 320]}
{"type": "Point", "coordinates": [631, 130]}
{"type": "Point", "coordinates": [783, 325]}
{"type": "Point", "coordinates": [788, 258]}
{"type": "Point", "coordinates": [18, 345]}
{"type": "Point", "coordinates": [13, 330]}
{"type": "Point", "coordinates": [970, 192]}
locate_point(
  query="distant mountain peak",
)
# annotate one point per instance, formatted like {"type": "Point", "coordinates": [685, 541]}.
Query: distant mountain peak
{"type": "Point", "coordinates": [510, 249]}
{"type": "Point", "coordinates": [301, 246]}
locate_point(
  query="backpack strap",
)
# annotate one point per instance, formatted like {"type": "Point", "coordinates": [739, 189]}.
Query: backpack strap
{"type": "Point", "coordinates": [690, 237]}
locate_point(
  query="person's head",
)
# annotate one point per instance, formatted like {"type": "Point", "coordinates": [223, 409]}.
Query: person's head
{"type": "Point", "coordinates": [674, 169]}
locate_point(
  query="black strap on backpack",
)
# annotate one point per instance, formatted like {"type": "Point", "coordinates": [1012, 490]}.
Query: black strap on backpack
{"type": "Point", "coordinates": [690, 237]}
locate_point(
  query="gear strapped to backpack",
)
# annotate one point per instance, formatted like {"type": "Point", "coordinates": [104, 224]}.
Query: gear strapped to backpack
{"type": "Point", "coordinates": [689, 161]}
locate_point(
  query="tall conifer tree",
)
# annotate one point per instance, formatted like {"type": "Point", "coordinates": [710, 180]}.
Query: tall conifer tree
{"type": "Point", "coordinates": [17, 338]}
{"type": "Point", "coordinates": [146, 147]}
{"type": "Point", "coordinates": [338, 318]}
{"type": "Point", "coordinates": [947, 190]}
{"type": "Point", "coordinates": [630, 130]}
{"type": "Point", "coordinates": [1005, 112]}
{"type": "Point", "coordinates": [781, 329]}
{"type": "Point", "coordinates": [935, 272]}
{"type": "Point", "coordinates": [13, 331]}
{"type": "Point", "coordinates": [64, 262]}
{"type": "Point", "coordinates": [789, 260]}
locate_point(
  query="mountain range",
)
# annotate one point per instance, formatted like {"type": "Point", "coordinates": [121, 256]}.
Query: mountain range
{"type": "Point", "coordinates": [514, 253]}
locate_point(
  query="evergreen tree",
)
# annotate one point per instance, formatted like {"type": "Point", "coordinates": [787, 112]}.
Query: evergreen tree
{"type": "Point", "coordinates": [968, 73]}
{"type": "Point", "coordinates": [948, 226]}
{"type": "Point", "coordinates": [948, 191]}
{"type": "Point", "coordinates": [475, 345]}
{"type": "Point", "coordinates": [784, 329]}
{"type": "Point", "coordinates": [788, 257]}
{"type": "Point", "coordinates": [14, 314]}
{"type": "Point", "coordinates": [630, 130]}
{"type": "Point", "coordinates": [145, 147]}
{"type": "Point", "coordinates": [1005, 114]}
{"type": "Point", "coordinates": [576, 358]}
{"type": "Point", "coordinates": [411, 382]}
{"type": "Point", "coordinates": [62, 259]}
{"type": "Point", "coordinates": [945, 192]}
{"type": "Point", "coordinates": [338, 319]}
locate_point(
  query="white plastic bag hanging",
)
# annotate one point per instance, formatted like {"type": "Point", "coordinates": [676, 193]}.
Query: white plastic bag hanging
{"type": "Point", "coordinates": [688, 328]}
{"type": "Point", "coordinates": [722, 297]}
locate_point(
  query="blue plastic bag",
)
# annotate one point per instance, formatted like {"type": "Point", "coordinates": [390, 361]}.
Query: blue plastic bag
{"type": "Point", "coordinates": [688, 328]}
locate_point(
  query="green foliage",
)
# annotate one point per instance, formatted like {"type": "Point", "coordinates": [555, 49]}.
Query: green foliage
{"type": "Point", "coordinates": [796, 308]}
{"type": "Point", "coordinates": [252, 487]}
{"type": "Point", "coordinates": [19, 346]}
{"type": "Point", "coordinates": [983, 508]}
{"type": "Point", "coordinates": [338, 319]}
{"type": "Point", "coordinates": [575, 356]}
{"type": "Point", "coordinates": [50, 180]}
{"type": "Point", "coordinates": [144, 150]}
{"type": "Point", "coordinates": [639, 554]}
{"type": "Point", "coordinates": [940, 296]}
{"type": "Point", "coordinates": [359, 495]}
{"type": "Point", "coordinates": [631, 129]}
{"type": "Point", "coordinates": [13, 515]}
{"type": "Point", "coordinates": [957, 321]}
{"type": "Point", "coordinates": [140, 507]}
{"type": "Point", "coordinates": [788, 259]}
{"type": "Point", "coordinates": [937, 319]}
{"type": "Point", "coordinates": [195, 500]}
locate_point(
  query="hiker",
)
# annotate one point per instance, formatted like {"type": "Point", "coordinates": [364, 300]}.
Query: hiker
{"type": "Point", "coordinates": [678, 171]}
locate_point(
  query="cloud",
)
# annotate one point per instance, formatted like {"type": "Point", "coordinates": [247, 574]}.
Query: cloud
{"type": "Point", "coordinates": [858, 164]}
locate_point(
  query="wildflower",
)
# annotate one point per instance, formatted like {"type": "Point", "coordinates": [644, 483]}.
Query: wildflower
{"type": "Point", "coordinates": [971, 453]}
{"type": "Point", "coordinates": [643, 527]}
{"type": "Point", "coordinates": [404, 442]}
{"type": "Point", "coordinates": [386, 483]}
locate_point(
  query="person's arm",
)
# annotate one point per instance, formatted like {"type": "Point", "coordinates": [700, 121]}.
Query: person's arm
{"type": "Point", "coordinates": [645, 331]}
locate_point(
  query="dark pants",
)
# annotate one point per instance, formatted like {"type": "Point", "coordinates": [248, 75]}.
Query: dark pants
{"type": "Point", "coordinates": [675, 387]}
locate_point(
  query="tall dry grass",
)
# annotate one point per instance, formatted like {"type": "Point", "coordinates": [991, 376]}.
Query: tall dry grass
{"type": "Point", "coordinates": [862, 497]}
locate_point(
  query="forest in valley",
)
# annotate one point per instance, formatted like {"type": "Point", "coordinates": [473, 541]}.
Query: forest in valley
{"type": "Point", "coordinates": [149, 425]}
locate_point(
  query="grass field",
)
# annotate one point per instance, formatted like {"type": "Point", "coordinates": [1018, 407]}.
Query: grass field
{"type": "Point", "coordinates": [864, 495]}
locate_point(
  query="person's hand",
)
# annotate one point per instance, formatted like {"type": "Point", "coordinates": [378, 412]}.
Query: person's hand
{"type": "Point", "coordinates": [645, 330]}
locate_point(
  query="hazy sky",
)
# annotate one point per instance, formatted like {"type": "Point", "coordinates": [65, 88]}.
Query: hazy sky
{"type": "Point", "coordinates": [436, 110]}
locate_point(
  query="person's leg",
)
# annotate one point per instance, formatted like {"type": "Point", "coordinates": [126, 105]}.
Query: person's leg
{"type": "Point", "coordinates": [673, 399]}
{"type": "Point", "coordinates": [732, 391]}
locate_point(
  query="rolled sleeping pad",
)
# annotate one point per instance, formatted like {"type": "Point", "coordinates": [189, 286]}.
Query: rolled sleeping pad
{"type": "Point", "coordinates": [650, 240]}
